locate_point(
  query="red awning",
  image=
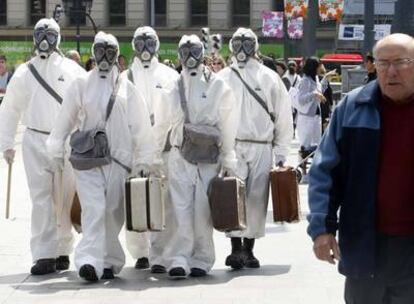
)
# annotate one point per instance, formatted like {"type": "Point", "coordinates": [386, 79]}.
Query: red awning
{"type": "Point", "coordinates": [342, 58]}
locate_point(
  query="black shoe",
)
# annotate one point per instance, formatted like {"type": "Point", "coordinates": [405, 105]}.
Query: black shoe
{"type": "Point", "coordinates": [108, 274]}
{"type": "Point", "coordinates": [88, 273]}
{"type": "Point", "coordinates": [250, 260]}
{"type": "Point", "coordinates": [158, 269]}
{"type": "Point", "coordinates": [142, 263]}
{"type": "Point", "coordinates": [62, 262]}
{"type": "Point", "coordinates": [235, 259]}
{"type": "Point", "coordinates": [43, 266]}
{"type": "Point", "coordinates": [198, 272]}
{"type": "Point", "coordinates": [177, 273]}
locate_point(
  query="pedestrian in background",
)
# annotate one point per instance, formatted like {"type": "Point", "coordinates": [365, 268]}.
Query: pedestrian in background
{"type": "Point", "coordinates": [90, 64]}
{"type": "Point", "coordinates": [309, 98]}
{"type": "Point", "coordinates": [369, 64]}
{"type": "Point", "coordinates": [5, 75]}
{"type": "Point", "coordinates": [122, 63]}
{"type": "Point", "coordinates": [363, 172]}
{"type": "Point", "coordinates": [75, 56]}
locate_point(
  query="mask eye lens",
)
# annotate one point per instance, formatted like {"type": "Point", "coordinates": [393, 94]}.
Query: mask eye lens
{"type": "Point", "coordinates": [236, 44]}
{"type": "Point", "coordinates": [51, 37]}
{"type": "Point", "coordinates": [248, 46]}
{"type": "Point", "coordinates": [184, 52]}
{"type": "Point", "coordinates": [111, 54]}
{"type": "Point", "coordinates": [151, 44]}
{"type": "Point", "coordinates": [39, 34]}
{"type": "Point", "coordinates": [99, 53]}
{"type": "Point", "coordinates": [139, 45]}
{"type": "Point", "coordinates": [196, 51]}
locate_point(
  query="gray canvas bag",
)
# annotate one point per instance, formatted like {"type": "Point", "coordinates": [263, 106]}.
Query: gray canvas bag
{"type": "Point", "coordinates": [90, 148]}
{"type": "Point", "coordinates": [201, 143]}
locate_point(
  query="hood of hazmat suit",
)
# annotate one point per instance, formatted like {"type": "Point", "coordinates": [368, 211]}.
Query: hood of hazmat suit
{"type": "Point", "coordinates": [243, 45]}
{"type": "Point", "coordinates": [191, 54]}
{"type": "Point", "coordinates": [46, 37]}
{"type": "Point", "coordinates": [145, 44]}
{"type": "Point", "coordinates": [105, 50]}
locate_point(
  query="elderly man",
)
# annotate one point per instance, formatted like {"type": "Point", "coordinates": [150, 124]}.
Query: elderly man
{"type": "Point", "coordinates": [364, 170]}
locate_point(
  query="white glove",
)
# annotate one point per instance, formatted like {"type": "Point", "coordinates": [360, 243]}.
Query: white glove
{"type": "Point", "coordinates": [57, 164]}
{"type": "Point", "coordinates": [156, 170]}
{"type": "Point", "coordinates": [227, 172]}
{"type": "Point", "coordinates": [9, 155]}
{"type": "Point", "coordinates": [142, 170]}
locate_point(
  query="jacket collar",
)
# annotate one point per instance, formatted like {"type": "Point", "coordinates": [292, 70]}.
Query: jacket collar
{"type": "Point", "coordinates": [369, 94]}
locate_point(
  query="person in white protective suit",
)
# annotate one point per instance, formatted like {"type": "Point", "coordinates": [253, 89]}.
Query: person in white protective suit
{"type": "Point", "coordinates": [99, 253]}
{"type": "Point", "coordinates": [26, 99]}
{"type": "Point", "coordinates": [210, 103]}
{"type": "Point", "coordinates": [263, 138]}
{"type": "Point", "coordinates": [155, 81]}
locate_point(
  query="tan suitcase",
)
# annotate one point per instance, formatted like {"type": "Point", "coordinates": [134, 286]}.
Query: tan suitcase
{"type": "Point", "coordinates": [144, 204]}
{"type": "Point", "coordinates": [227, 198]}
{"type": "Point", "coordinates": [285, 194]}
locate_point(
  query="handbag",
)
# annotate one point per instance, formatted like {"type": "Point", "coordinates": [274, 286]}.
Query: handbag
{"type": "Point", "coordinates": [90, 148]}
{"type": "Point", "coordinates": [201, 143]}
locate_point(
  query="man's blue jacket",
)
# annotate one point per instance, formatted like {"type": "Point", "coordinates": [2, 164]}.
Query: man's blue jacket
{"type": "Point", "coordinates": [343, 180]}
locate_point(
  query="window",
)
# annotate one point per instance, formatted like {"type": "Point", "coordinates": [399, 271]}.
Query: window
{"type": "Point", "coordinates": [277, 6]}
{"type": "Point", "coordinates": [159, 11]}
{"type": "Point", "coordinates": [199, 10]}
{"type": "Point", "coordinates": [117, 12]}
{"type": "Point", "coordinates": [37, 10]}
{"type": "Point", "coordinates": [241, 13]}
{"type": "Point", "coordinates": [3, 12]}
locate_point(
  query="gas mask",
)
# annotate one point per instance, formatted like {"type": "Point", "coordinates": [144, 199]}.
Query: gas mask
{"type": "Point", "coordinates": [243, 48]}
{"type": "Point", "coordinates": [191, 55]}
{"type": "Point", "coordinates": [46, 37]}
{"type": "Point", "coordinates": [145, 48]}
{"type": "Point", "coordinates": [106, 56]}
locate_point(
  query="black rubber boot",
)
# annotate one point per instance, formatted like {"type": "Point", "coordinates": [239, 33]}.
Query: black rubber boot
{"type": "Point", "coordinates": [62, 262]}
{"type": "Point", "coordinates": [43, 266]}
{"type": "Point", "coordinates": [198, 272]}
{"type": "Point", "coordinates": [88, 273]}
{"type": "Point", "coordinates": [177, 273]}
{"type": "Point", "coordinates": [108, 274]}
{"type": "Point", "coordinates": [158, 269]}
{"type": "Point", "coordinates": [250, 259]}
{"type": "Point", "coordinates": [235, 259]}
{"type": "Point", "coordinates": [142, 263]}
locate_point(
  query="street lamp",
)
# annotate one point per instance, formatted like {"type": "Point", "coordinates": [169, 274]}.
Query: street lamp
{"type": "Point", "coordinates": [78, 9]}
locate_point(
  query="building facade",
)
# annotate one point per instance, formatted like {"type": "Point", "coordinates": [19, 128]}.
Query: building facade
{"type": "Point", "coordinates": [171, 18]}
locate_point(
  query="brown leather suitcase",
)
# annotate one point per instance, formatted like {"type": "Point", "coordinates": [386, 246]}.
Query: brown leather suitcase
{"type": "Point", "coordinates": [227, 198]}
{"type": "Point", "coordinates": [285, 194]}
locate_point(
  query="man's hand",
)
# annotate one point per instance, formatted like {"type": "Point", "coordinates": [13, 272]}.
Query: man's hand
{"type": "Point", "coordinates": [326, 248]}
{"type": "Point", "coordinates": [9, 155]}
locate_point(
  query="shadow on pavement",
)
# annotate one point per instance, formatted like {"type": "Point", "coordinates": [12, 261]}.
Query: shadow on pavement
{"type": "Point", "coordinates": [131, 279]}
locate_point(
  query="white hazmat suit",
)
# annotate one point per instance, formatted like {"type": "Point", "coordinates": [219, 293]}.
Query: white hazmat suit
{"type": "Point", "coordinates": [257, 134]}
{"type": "Point", "coordinates": [155, 81]}
{"type": "Point", "coordinates": [101, 189]}
{"type": "Point", "coordinates": [210, 102]}
{"type": "Point", "coordinates": [27, 100]}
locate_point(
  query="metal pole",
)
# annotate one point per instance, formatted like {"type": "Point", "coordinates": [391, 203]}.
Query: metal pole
{"type": "Point", "coordinates": [285, 39]}
{"type": "Point", "coordinates": [9, 177]}
{"type": "Point", "coordinates": [77, 13]}
{"type": "Point", "coordinates": [309, 29]}
{"type": "Point", "coordinates": [369, 33]}
{"type": "Point", "coordinates": [152, 21]}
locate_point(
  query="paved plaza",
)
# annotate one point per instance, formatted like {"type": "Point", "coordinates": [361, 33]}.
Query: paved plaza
{"type": "Point", "coordinates": [289, 274]}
